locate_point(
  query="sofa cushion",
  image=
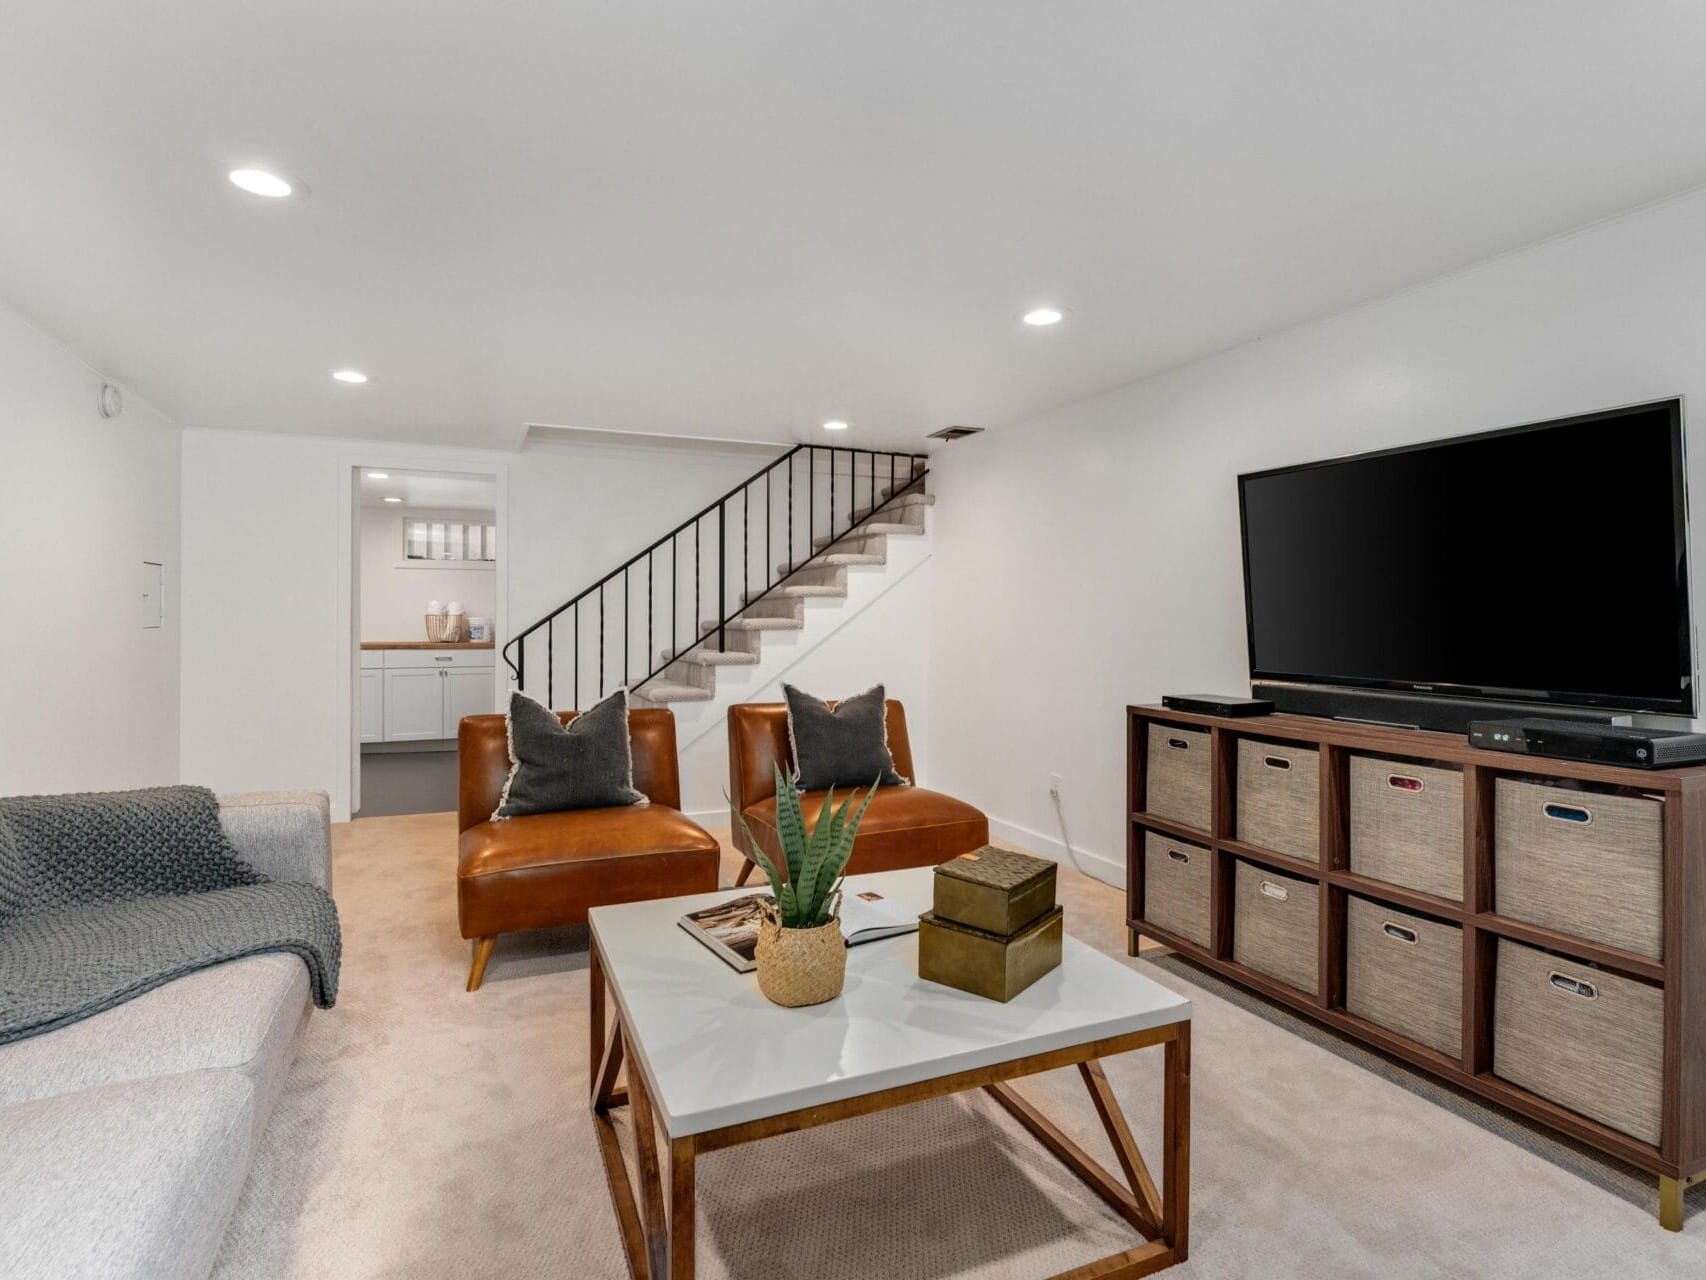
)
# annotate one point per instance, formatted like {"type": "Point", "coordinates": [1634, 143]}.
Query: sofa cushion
{"type": "Point", "coordinates": [546, 870]}
{"type": "Point", "coordinates": [843, 746]}
{"type": "Point", "coordinates": [244, 1015]}
{"type": "Point", "coordinates": [132, 1180]}
{"type": "Point", "coordinates": [585, 764]}
{"type": "Point", "coordinates": [904, 827]}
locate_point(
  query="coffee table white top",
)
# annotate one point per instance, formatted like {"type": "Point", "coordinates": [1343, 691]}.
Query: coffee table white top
{"type": "Point", "coordinates": [717, 1053]}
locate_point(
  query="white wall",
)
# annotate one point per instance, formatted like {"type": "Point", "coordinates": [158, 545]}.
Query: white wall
{"type": "Point", "coordinates": [1089, 558]}
{"type": "Point", "coordinates": [89, 699]}
{"type": "Point", "coordinates": [394, 593]}
{"type": "Point", "coordinates": [261, 677]}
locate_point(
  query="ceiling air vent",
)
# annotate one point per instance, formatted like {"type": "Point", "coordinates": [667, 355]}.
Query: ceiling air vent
{"type": "Point", "coordinates": [954, 433]}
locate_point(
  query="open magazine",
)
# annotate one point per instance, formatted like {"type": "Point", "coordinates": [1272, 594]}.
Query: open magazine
{"type": "Point", "coordinates": [731, 928]}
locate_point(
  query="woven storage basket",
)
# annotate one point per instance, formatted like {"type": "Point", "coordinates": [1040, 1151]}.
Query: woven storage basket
{"type": "Point", "coordinates": [1176, 775]}
{"type": "Point", "coordinates": [1274, 926]}
{"type": "Point", "coordinates": [1279, 798]}
{"type": "Point", "coordinates": [1582, 862]}
{"type": "Point", "coordinates": [801, 966]}
{"type": "Point", "coordinates": [1588, 1040]}
{"type": "Point", "coordinates": [1176, 879]}
{"type": "Point", "coordinates": [1404, 972]}
{"type": "Point", "coordinates": [1407, 825]}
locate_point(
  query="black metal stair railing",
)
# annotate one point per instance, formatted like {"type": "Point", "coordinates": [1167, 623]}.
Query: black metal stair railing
{"type": "Point", "coordinates": [815, 493]}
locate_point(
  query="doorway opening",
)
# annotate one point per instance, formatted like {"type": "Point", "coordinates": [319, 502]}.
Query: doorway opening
{"type": "Point", "coordinates": [426, 553]}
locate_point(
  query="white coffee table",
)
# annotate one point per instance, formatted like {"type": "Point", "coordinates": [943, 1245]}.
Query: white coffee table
{"type": "Point", "coordinates": [711, 1063]}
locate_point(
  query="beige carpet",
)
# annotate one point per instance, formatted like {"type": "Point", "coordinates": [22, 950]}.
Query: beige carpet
{"type": "Point", "coordinates": [426, 1132]}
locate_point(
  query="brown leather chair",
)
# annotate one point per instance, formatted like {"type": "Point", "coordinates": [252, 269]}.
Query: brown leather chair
{"type": "Point", "coordinates": [904, 827]}
{"type": "Point", "coordinates": [545, 870]}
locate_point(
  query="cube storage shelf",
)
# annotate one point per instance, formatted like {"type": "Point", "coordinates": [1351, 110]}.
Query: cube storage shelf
{"type": "Point", "coordinates": [1603, 1006]}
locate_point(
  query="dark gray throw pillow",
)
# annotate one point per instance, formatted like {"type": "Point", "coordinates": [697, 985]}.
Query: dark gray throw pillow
{"type": "Point", "coordinates": [586, 764]}
{"type": "Point", "coordinates": [846, 747]}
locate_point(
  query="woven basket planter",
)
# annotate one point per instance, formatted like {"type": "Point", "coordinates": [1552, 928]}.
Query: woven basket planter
{"type": "Point", "coordinates": [798, 967]}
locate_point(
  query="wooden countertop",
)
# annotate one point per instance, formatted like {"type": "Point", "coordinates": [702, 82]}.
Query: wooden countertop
{"type": "Point", "coordinates": [427, 644]}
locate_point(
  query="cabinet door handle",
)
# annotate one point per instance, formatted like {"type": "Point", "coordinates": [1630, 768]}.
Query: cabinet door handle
{"type": "Point", "coordinates": [1399, 932]}
{"type": "Point", "coordinates": [1275, 891]}
{"type": "Point", "coordinates": [1404, 782]}
{"type": "Point", "coordinates": [1276, 762]}
{"type": "Point", "coordinates": [1576, 813]}
{"type": "Point", "coordinates": [1573, 986]}
{"type": "Point", "coordinates": [1178, 744]}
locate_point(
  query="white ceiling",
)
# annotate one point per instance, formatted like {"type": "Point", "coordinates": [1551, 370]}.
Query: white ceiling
{"type": "Point", "coordinates": [739, 219]}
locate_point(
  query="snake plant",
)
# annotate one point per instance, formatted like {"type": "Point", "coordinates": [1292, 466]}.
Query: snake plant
{"type": "Point", "coordinates": [808, 895]}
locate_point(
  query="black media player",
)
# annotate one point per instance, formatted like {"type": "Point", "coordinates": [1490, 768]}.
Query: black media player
{"type": "Point", "coordinates": [1599, 743]}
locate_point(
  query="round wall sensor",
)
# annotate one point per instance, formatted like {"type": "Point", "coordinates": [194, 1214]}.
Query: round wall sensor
{"type": "Point", "coordinates": [112, 401]}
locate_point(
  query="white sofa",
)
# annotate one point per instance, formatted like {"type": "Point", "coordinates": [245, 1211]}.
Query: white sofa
{"type": "Point", "coordinates": [125, 1138]}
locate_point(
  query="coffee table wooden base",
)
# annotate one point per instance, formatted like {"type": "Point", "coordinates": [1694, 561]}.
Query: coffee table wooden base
{"type": "Point", "coordinates": [656, 1212]}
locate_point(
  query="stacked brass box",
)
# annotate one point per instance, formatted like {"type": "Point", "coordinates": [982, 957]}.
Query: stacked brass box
{"type": "Point", "coordinates": [995, 928]}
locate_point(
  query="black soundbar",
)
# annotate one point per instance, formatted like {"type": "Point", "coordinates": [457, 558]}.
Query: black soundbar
{"type": "Point", "coordinates": [1406, 710]}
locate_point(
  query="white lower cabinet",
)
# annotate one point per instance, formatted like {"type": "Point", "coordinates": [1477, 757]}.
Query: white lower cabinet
{"type": "Point", "coordinates": [467, 692]}
{"type": "Point", "coordinates": [373, 706]}
{"type": "Point", "coordinates": [423, 694]}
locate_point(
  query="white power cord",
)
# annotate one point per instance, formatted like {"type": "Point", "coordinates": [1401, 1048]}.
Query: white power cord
{"type": "Point", "coordinates": [1060, 817]}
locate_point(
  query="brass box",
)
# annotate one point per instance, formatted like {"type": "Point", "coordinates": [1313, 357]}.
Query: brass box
{"type": "Point", "coordinates": [995, 890]}
{"type": "Point", "coordinates": [988, 964]}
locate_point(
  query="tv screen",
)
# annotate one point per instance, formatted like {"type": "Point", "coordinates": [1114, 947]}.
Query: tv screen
{"type": "Point", "coordinates": [1544, 563]}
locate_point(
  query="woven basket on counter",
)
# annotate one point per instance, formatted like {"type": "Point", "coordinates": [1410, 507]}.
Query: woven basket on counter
{"type": "Point", "coordinates": [447, 628]}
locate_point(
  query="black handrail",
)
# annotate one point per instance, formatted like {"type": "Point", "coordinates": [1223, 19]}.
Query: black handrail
{"type": "Point", "coordinates": [775, 572]}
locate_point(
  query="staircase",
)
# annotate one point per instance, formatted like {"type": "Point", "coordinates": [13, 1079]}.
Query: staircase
{"type": "Point", "coordinates": [703, 595]}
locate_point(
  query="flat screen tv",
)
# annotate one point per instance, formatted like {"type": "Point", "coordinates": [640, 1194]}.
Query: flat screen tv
{"type": "Point", "coordinates": [1542, 564]}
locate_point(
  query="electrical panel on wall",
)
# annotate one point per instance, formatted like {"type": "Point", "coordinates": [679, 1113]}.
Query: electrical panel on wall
{"type": "Point", "coordinates": [153, 595]}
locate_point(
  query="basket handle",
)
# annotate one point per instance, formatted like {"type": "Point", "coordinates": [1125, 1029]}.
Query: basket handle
{"type": "Point", "coordinates": [1276, 762]}
{"type": "Point", "coordinates": [1392, 929]}
{"type": "Point", "coordinates": [1178, 855]}
{"type": "Point", "coordinates": [1573, 986]}
{"type": "Point", "coordinates": [1578, 814]}
{"type": "Point", "coordinates": [1278, 892]}
{"type": "Point", "coordinates": [1405, 782]}
{"type": "Point", "coordinates": [1178, 744]}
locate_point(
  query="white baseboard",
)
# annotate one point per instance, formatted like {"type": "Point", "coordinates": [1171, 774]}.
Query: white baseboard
{"type": "Point", "coordinates": [1091, 863]}
{"type": "Point", "coordinates": [712, 820]}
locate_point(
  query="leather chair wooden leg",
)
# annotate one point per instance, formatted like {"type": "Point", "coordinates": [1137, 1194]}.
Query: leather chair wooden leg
{"type": "Point", "coordinates": [745, 872]}
{"type": "Point", "coordinates": [482, 953]}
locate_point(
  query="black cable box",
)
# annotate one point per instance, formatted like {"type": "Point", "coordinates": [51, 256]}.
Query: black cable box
{"type": "Point", "coordinates": [1599, 743]}
{"type": "Point", "coordinates": [1215, 704]}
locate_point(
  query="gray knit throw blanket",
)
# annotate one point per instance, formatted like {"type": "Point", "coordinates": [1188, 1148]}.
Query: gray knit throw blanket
{"type": "Point", "coordinates": [106, 895]}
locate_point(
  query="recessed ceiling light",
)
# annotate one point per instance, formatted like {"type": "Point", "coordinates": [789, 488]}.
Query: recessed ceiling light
{"type": "Point", "coordinates": [393, 499]}
{"type": "Point", "coordinates": [350, 375]}
{"type": "Point", "coordinates": [1040, 317]}
{"type": "Point", "coordinates": [258, 182]}
{"type": "Point", "coordinates": [835, 426]}
{"type": "Point", "coordinates": [378, 475]}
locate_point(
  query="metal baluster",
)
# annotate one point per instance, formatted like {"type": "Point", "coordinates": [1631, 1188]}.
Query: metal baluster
{"type": "Point", "coordinates": [600, 641]}
{"type": "Point", "coordinates": [674, 591]}
{"type": "Point", "coordinates": [650, 557]}
{"type": "Point", "coordinates": [575, 699]}
{"type": "Point", "coordinates": [698, 597]}
{"type": "Point", "coordinates": [551, 663]}
{"type": "Point", "coordinates": [811, 499]}
{"type": "Point", "coordinates": [831, 496]}
{"type": "Point", "coordinates": [790, 515]}
{"type": "Point", "coordinates": [722, 572]}
{"type": "Point", "coordinates": [745, 541]}
{"type": "Point", "coordinates": [768, 547]}
{"type": "Point", "coordinates": [627, 621]}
